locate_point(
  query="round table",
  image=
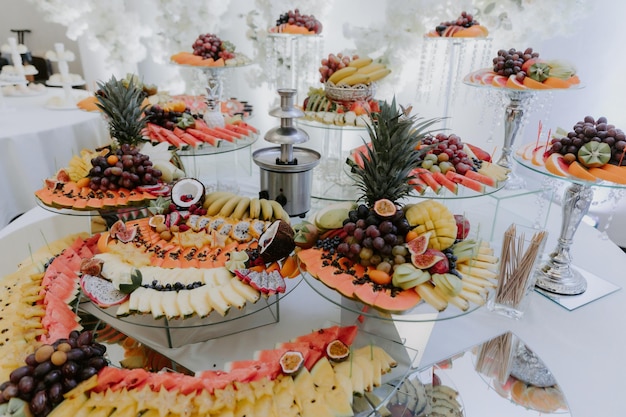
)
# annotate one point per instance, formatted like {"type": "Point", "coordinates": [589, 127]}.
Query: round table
{"type": "Point", "coordinates": [37, 140]}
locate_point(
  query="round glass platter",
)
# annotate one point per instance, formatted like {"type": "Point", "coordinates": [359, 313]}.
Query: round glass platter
{"type": "Point", "coordinates": [444, 193]}
{"type": "Point", "coordinates": [223, 147]}
{"type": "Point", "coordinates": [178, 332]}
{"type": "Point", "coordinates": [471, 80]}
{"type": "Point", "coordinates": [541, 169]}
{"type": "Point", "coordinates": [422, 312]}
{"type": "Point", "coordinates": [113, 211]}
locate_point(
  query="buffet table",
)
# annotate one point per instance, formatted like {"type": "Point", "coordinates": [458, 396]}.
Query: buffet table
{"type": "Point", "coordinates": [578, 346]}
{"type": "Point", "coordinates": [35, 141]}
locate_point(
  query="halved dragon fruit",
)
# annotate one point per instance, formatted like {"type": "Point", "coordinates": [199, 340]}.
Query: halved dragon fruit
{"type": "Point", "coordinates": [102, 292]}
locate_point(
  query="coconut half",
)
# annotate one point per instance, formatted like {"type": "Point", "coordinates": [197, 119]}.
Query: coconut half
{"type": "Point", "coordinates": [188, 192]}
{"type": "Point", "coordinates": [277, 242]}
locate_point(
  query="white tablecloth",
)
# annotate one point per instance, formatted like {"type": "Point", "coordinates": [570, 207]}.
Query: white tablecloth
{"type": "Point", "coordinates": [35, 142]}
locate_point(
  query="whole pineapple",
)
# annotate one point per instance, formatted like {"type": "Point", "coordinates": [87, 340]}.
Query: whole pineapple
{"type": "Point", "coordinates": [392, 156]}
{"type": "Point", "coordinates": [123, 103]}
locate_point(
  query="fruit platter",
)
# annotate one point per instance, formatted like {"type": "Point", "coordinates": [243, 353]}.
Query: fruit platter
{"type": "Point", "coordinates": [447, 167]}
{"type": "Point", "coordinates": [525, 70]}
{"type": "Point", "coordinates": [592, 151]}
{"type": "Point", "coordinates": [295, 23]}
{"type": "Point", "coordinates": [183, 130]}
{"type": "Point", "coordinates": [393, 256]}
{"type": "Point", "coordinates": [347, 96]}
{"type": "Point", "coordinates": [211, 51]}
{"type": "Point", "coordinates": [128, 172]}
{"type": "Point", "coordinates": [465, 26]}
{"type": "Point", "coordinates": [52, 365]}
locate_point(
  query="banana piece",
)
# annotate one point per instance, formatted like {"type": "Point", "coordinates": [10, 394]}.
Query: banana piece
{"type": "Point", "coordinates": [368, 69]}
{"type": "Point", "coordinates": [255, 208]}
{"type": "Point", "coordinates": [242, 208]}
{"type": "Point", "coordinates": [355, 79]}
{"type": "Point", "coordinates": [377, 75]}
{"type": "Point", "coordinates": [428, 294]}
{"type": "Point", "coordinates": [210, 198]}
{"type": "Point", "coordinates": [228, 208]}
{"type": "Point", "coordinates": [342, 73]}
{"type": "Point", "coordinates": [215, 207]}
{"type": "Point", "coordinates": [360, 62]}
{"type": "Point", "coordinates": [266, 209]}
{"type": "Point", "coordinates": [278, 211]}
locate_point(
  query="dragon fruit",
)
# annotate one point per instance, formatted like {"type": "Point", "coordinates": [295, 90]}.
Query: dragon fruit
{"type": "Point", "coordinates": [102, 292]}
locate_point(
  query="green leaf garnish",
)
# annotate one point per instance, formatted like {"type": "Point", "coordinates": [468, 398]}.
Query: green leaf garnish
{"type": "Point", "coordinates": [136, 279]}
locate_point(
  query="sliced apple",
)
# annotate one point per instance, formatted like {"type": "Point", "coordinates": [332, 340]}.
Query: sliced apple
{"type": "Point", "coordinates": [538, 155]}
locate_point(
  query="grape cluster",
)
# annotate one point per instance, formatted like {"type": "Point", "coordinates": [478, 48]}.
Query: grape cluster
{"type": "Point", "coordinates": [375, 240]}
{"type": "Point", "coordinates": [446, 154]}
{"type": "Point", "coordinates": [209, 45]}
{"type": "Point", "coordinates": [466, 20]}
{"type": "Point", "coordinates": [293, 17]}
{"type": "Point", "coordinates": [123, 168]}
{"type": "Point", "coordinates": [166, 118]}
{"type": "Point", "coordinates": [591, 130]}
{"type": "Point", "coordinates": [334, 63]}
{"type": "Point", "coordinates": [52, 370]}
{"type": "Point", "coordinates": [510, 62]}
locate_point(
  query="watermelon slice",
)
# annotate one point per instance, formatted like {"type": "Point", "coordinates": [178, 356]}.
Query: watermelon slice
{"type": "Point", "coordinates": [427, 177]}
{"type": "Point", "coordinates": [443, 180]}
{"type": "Point", "coordinates": [465, 181]}
{"type": "Point", "coordinates": [481, 178]}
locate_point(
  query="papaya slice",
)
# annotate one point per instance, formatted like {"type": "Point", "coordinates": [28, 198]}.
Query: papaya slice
{"type": "Point", "coordinates": [608, 175]}
{"type": "Point", "coordinates": [45, 195]}
{"type": "Point", "coordinates": [387, 301]}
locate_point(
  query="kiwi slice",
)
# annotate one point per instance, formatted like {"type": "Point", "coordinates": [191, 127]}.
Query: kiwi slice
{"type": "Point", "coordinates": [594, 154]}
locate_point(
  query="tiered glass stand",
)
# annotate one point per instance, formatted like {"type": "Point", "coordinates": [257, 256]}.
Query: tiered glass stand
{"type": "Point", "coordinates": [558, 276]}
{"type": "Point", "coordinates": [176, 333]}
{"type": "Point", "coordinates": [443, 62]}
{"type": "Point", "coordinates": [293, 61]}
{"type": "Point", "coordinates": [331, 179]}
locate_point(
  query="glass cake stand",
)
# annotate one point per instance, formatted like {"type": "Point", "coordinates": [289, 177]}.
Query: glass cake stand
{"type": "Point", "coordinates": [517, 105]}
{"type": "Point", "coordinates": [557, 275]}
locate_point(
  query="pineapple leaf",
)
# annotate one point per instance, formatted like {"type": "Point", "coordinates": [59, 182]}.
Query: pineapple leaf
{"type": "Point", "coordinates": [393, 155]}
{"type": "Point", "coordinates": [122, 101]}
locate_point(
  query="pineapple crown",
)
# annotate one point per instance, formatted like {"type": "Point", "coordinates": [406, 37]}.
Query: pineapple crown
{"type": "Point", "coordinates": [123, 103]}
{"type": "Point", "coordinates": [393, 154]}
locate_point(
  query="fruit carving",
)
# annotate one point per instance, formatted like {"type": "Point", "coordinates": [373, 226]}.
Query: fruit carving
{"type": "Point", "coordinates": [296, 23]}
{"type": "Point", "coordinates": [446, 163]}
{"type": "Point", "coordinates": [210, 51]}
{"type": "Point", "coordinates": [465, 26]}
{"type": "Point", "coordinates": [593, 150]}
{"type": "Point", "coordinates": [387, 255]}
{"type": "Point", "coordinates": [523, 70]}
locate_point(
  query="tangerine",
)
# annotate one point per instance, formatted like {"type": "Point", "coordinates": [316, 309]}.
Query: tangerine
{"type": "Point", "coordinates": [412, 234]}
{"type": "Point", "coordinates": [112, 160]}
{"type": "Point", "coordinates": [379, 277]}
{"type": "Point", "coordinates": [83, 182]}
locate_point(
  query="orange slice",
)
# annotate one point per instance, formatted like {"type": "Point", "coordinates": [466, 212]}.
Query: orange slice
{"type": "Point", "coordinates": [530, 83]}
{"type": "Point", "coordinates": [470, 32]}
{"type": "Point", "coordinates": [579, 171]}
{"type": "Point", "coordinates": [554, 82]}
{"type": "Point", "coordinates": [519, 393]}
{"type": "Point", "coordinates": [608, 175]}
{"type": "Point", "coordinates": [556, 165]}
